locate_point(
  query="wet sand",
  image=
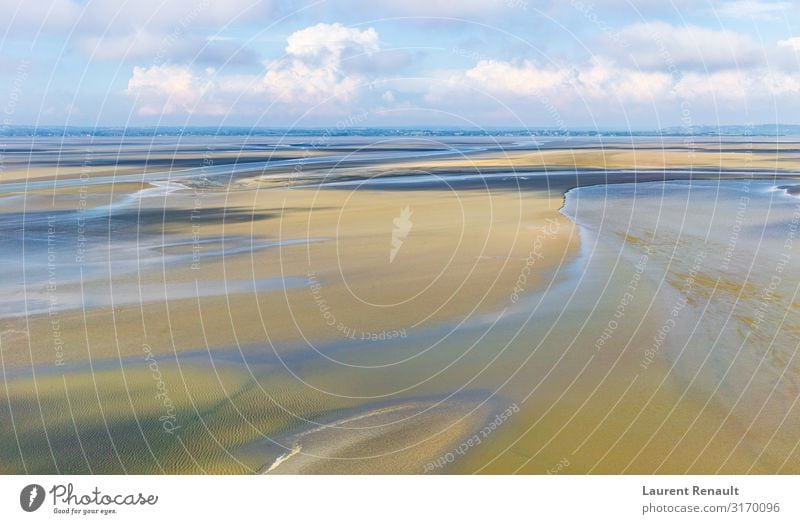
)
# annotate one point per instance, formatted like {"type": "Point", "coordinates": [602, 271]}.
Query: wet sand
{"type": "Point", "coordinates": [392, 439]}
{"type": "Point", "coordinates": [491, 290]}
{"type": "Point", "coordinates": [464, 257]}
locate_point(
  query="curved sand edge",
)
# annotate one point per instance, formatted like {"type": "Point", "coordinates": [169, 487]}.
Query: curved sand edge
{"type": "Point", "coordinates": [398, 438]}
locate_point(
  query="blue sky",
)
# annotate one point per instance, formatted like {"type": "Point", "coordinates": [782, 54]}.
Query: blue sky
{"type": "Point", "coordinates": [569, 63]}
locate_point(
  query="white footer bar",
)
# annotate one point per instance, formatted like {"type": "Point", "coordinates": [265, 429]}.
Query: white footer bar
{"type": "Point", "coordinates": [389, 499]}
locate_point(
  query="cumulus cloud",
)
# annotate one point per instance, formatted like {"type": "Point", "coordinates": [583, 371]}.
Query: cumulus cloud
{"type": "Point", "coordinates": [604, 80]}
{"type": "Point", "coordinates": [330, 68]}
{"type": "Point", "coordinates": [168, 89]}
{"type": "Point", "coordinates": [516, 79]}
{"type": "Point", "coordinates": [601, 82]}
{"type": "Point", "coordinates": [330, 42]}
{"type": "Point", "coordinates": [599, 79]}
{"type": "Point", "coordinates": [317, 67]}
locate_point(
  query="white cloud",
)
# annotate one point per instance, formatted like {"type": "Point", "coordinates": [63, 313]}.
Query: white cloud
{"type": "Point", "coordinates": [328, 68]}
{"type": "Point", "coordinates": [792, 43]}
{"type": "Point", "coordinates": [744, 87]}
{"type": "Point", "coordinates": [330, 42]}
{"type": "Point", "coordinates": [722, 85]}
{"type": "Point", "coordinates": [316, 68]}
{"type": "Point", "coordinates": [659, 45]}
{"type": "Point", "coordinates": [603, 83]}
{"type": "Point", "coordinates": [168, 89]}
{"type": "Point", "coordinates": [604, 80]}
{"type": "Point", "coordinates": [599, 79]}
{"type": "Point", "coordinates": [778, 83]}
{"type": "Point", "coordinates": [317, 64]}
{"type": "Point", "coordinates": [522, 79]}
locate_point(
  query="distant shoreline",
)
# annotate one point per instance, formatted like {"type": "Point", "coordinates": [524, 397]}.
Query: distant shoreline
{"type": "Point", "coordinates": [749, 131]}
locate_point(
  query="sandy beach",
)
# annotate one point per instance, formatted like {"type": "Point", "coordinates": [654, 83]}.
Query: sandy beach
{"type": "Point", "coordinates": [376, 314]}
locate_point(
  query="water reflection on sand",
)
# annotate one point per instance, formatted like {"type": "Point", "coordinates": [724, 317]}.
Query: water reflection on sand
{"type": "Point", "coordinates": [656, 335]}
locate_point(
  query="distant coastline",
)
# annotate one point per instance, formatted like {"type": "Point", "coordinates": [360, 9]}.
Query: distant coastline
{"type": "Point", "coordinates": [743, 130]}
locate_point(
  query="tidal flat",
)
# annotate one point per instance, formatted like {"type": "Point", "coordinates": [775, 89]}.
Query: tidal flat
{"type": "Point", "coordinates": [399, 305]}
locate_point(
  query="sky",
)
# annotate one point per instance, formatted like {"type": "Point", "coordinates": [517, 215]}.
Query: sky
{"type": "Point", "coordinates": [610, 64]}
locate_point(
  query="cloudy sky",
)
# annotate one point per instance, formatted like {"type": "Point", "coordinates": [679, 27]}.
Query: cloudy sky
{"type": "Point", "coordinates": [470, 63]}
